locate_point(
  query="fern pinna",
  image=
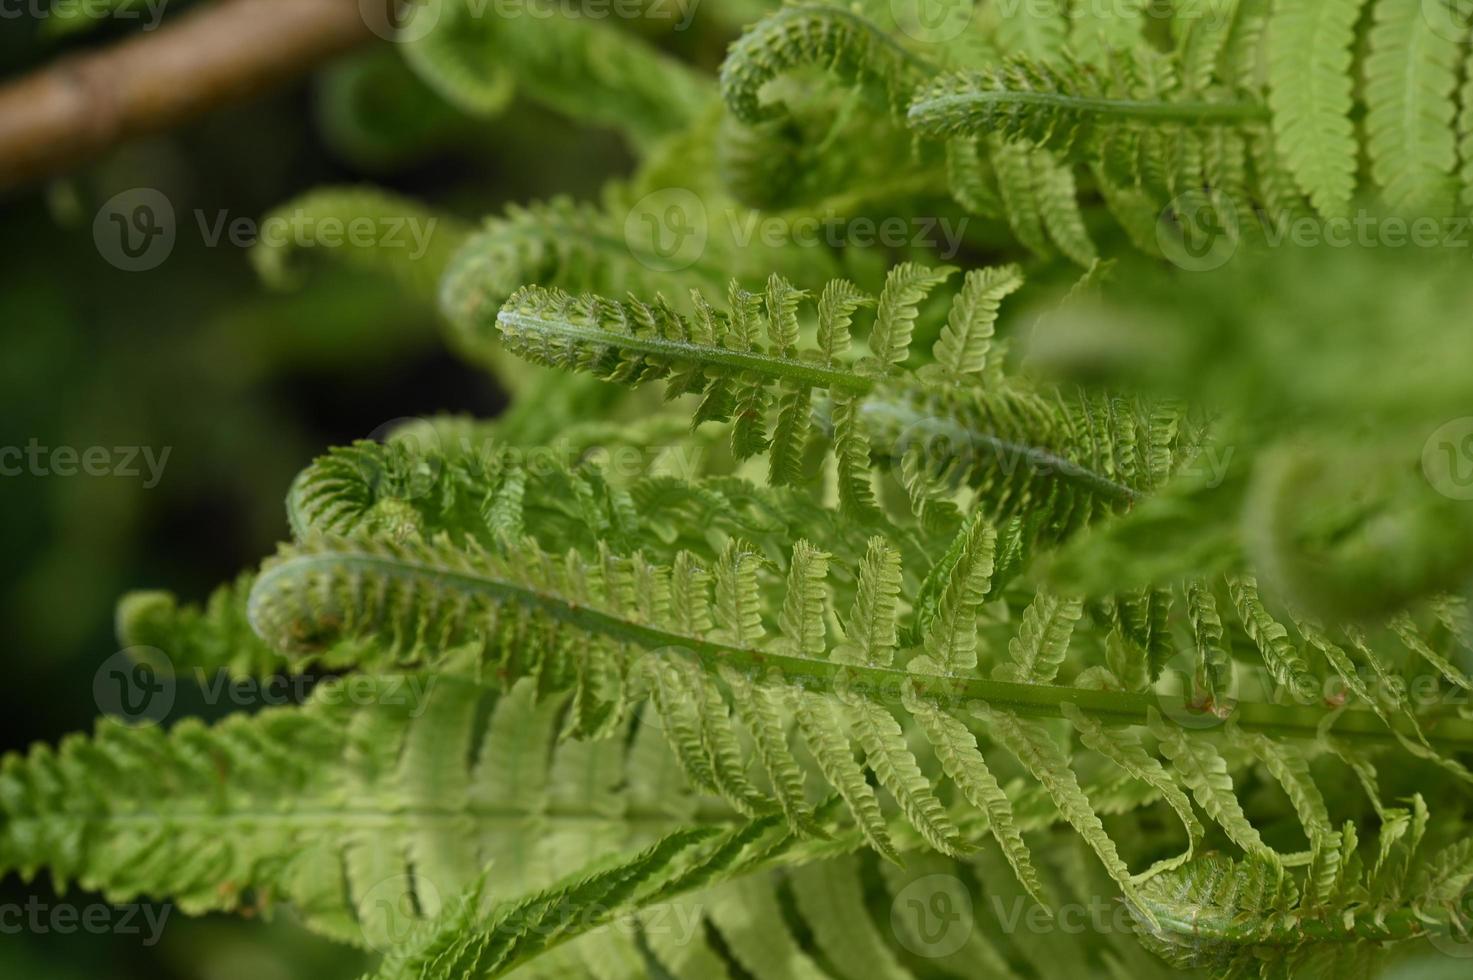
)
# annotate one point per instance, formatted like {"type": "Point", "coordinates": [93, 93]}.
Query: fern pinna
{"type": "Point", "coordinates": [956, 583]}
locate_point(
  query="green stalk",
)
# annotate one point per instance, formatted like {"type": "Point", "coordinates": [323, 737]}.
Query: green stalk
{"type": "Point", "coordinates": [883, 684]}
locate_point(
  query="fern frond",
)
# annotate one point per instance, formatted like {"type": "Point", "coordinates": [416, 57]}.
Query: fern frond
{"type": "Point", "coordinates": [830, 36]}
{"type": "Point", "coordinates": [1067, 106]}
{"type": "Point", "coordinates": [1069, 458]}
{"type": "Point", "coordinates": [364, 228]}
{"type": "Point", "coordinates": [967, 337]}
{"type": "Point", "coordinates": [1043, 638]}
{"type": "Point", "coordinates": [956, 749]}
{"type": "Point", "coordinates": [572, 626]}
{"type": "Point", "coordinates": [559, 244]}
{"type": "Point", "coordinates": [1309, 92]}
{"type": "Point", "coordinates": [1204, 772]}
{"type": "Point", "coordinates": [951, 638]}
{"type": "Point", "coordinates": [906, 286]}
{"type": "Point", "coordinates": [557, 59]}
{"type": "Point", "coordinates": [1042, 756]}
{"type": "Point", "coordinates": [370, 801]}
{"type": "Point", "coordinates": [871, 634]}
{"type": "Point", "coordinates": [1410, 77]}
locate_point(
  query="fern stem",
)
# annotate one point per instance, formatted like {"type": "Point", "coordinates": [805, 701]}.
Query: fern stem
{"type": "Point", "coordinates": [1212, 113]}
{"type": "Point", "coordinates": [784, 368]}
{"type": "Point", "coordinates": [883, 684]}
{"type": "Point", "coordinates": [892, 415]}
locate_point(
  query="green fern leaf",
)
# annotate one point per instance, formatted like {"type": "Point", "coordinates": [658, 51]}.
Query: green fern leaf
{"type": "Point", "coordinates": [1309, 92]}
{"type": "Point", "coordinates": [1410, 76]}
{"type": "Point", "coordinates": [956, 749]}
{"type": "Point", "coordinates": [1205, 773]}
{"type": "Point", "coordinates": [906, 286]}
{"type": "Point", "coordinates": [967, 336]}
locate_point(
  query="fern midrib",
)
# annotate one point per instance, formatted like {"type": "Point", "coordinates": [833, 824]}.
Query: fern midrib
{"type": "Point", "coordinates": [884, 684]}
{"type": "Point", "coordinates": [1211, 113]}
{"type": "Point", "coordinates": [784, 368]}
{"type": "Point", "coordinates": [1043, 459]}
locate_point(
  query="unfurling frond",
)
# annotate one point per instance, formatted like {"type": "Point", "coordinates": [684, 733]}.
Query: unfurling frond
{"type": "Point", "coordinates": [832, 37]}
{"type": "Point", "coordinates": [1068, 106]}
{"type": "Point", "coordinates": [471, 55]}
{"type": "Point", "coordinates": [364, 228]}
{"type": "Point", "coordinates": [1071, 456]}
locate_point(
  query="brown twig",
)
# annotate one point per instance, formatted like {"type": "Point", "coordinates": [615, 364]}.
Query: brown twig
{"type": "Point", "coordinates": [74, 109]}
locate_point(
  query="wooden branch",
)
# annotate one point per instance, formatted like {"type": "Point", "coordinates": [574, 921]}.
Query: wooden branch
{"type": "Point", "coordinates": [224, 52]}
